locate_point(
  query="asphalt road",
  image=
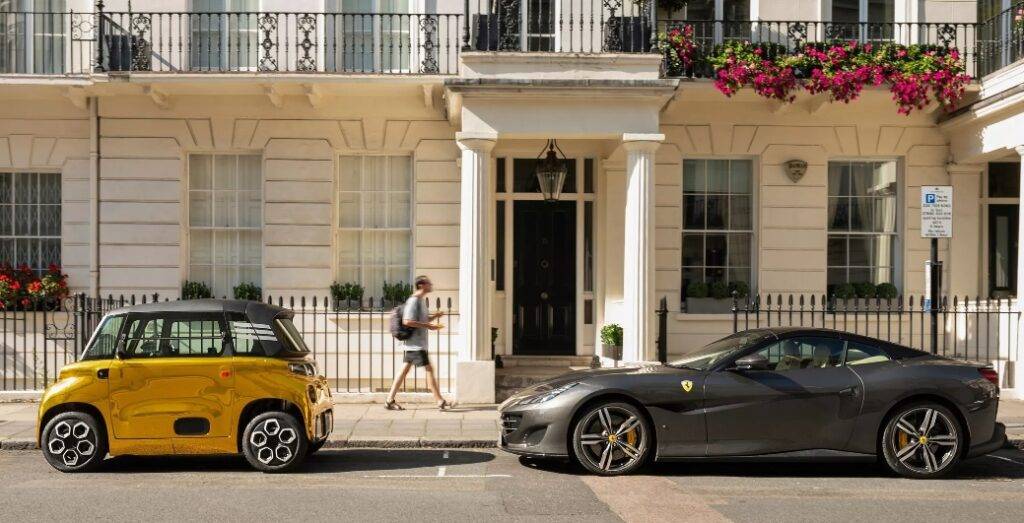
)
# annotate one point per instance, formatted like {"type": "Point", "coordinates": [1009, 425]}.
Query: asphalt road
{"type": "Point", "coordinates": [468, 485]}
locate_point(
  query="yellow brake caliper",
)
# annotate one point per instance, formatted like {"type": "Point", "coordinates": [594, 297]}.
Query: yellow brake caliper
{"type": "Point", "coordinates": [631, 438]}
{"type": "Point", "coordinates": [904, 439]}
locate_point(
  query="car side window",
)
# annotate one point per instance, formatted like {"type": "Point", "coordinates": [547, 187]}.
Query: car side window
{"type": "Point", "coordinates": [244, 335]}
{"type": "Point", "coordinates": [804, 353]}
{"type": "Point", "coordinates": [194, 336]}
{"type": "Point", "coordinates": [858, 353]}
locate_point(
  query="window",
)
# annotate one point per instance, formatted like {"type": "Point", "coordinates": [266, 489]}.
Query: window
{"type": "Point", "coordinates": [863, 19]}
{"type": "Point", "coordinates": [246, 336]}
{"type": "Point", "coordinates": [103, 344]}
{"type": "Point", "coordinates": [225, 201]}
{"type": "Point", "coordinates": [733, 15]}
{"type": "Point", "coordinates": [804, 353]}
{"type": "Point", "coordinates": [199, 335]}
{"type": "Point", "coordinates": [863, 354]}
{"type": "Point", "coordinates": [374, 221]}
{"type": "Point", "coordinates": [32, 36]}
{"type": "Point", "coordinates": [30, 218]}
{"type": "Point", "coordinates": [225, 35]}
{"type": "Point", "coordinates": [718, 221]}
{"type": "Point", "coordinates": [863, 236]}
{"type": "Point", "coordinates": [369, 35]}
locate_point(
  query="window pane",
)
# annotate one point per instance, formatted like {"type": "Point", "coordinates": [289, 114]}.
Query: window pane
{"type": "Point", "coordinates": [398, 208]}
{"type": "Point", "coordinates": [249, 173]}
{"type": "Point", "coordinates": [740, 213]}
{"type": "Point", "coordinates": [693, 176]}
{"type": "Point", "coordinates": [225, 209]}
{"type": "Point", "coordinates": [693, 212]}
{"type": "Point", "coordinates": [714, 253]}
{"type": "Point", "coordinates": [225, 172]}
{"type": "Point", "coordinates": [693, 249]}
{"type": "Point", "coordinates": [49, 220]}
{"type": "Point", "coordinates": [838, 214]}
{"type": "Point", "coordinates": [863, 354]}
{"type": "Point", "coordinates": [741, 176]}
{"type": "Point", "coordinates": [1003, 180]}
{"type": "Point", "coordinates": [6, 190]}
{"type": "Point", "coordinates": [718, 176]}
{"type": "Point", "coordinates": [398, 248]}
{"type": "Point", "coordinates": [860, 250]}
{"type": "Point", "coordinates": [350, 178]}
{"type": "Point", "coordinates": [739, 250]}
{"type": "Point", "coordinates": [716, 211]}
{"type": "Point", "coordinates": [201, 247]}
{"type": "Point", "coordinates": [200, 171]}
{"type": "Point", "coordinates": [836, 250]}
{"type": "Point", "coordinates": [349, 209]}
{"type": "Point", "coordinates": [838, 179]}
{"type": "Point", "coordinates": [861, 214]}
{"type": "Point", "coordinates": [200, 209]}
{"type": "Point", "coordinates": [401, 173]}
{"type": "Point", "coordinates": [349, 247]}
{"type": "Point", "coordinates": [49, 188]}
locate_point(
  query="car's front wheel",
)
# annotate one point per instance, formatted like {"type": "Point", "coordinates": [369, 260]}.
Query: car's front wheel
{"type": "Point", "coordinates": [74, 442]}
{"type": "Point", "coordinates": [274, 442]}
{"type": "Point", "coordinates": [611, 438]}
{"type": "Point", "coordinates": [922, 440]}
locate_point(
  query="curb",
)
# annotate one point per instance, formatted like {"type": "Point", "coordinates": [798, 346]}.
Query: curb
{"type": "Point", "coordinates": [368, 443]}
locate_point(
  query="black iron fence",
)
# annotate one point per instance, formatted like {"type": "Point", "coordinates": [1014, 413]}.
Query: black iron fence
{"type": "Point", "coordinates": [576, 26]}
{"type": "Point", "coordinates": [1001, 39]}
{"type": "Point", "coordinates": [350, 342]}
{"type": "Point", "coordinates": [967, 329]}
{"type": "Point", "coordinates": [705, 37]}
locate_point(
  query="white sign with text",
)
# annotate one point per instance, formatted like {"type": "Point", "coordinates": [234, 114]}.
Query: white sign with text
{"type": "Point", "coordinates": [937, 211]}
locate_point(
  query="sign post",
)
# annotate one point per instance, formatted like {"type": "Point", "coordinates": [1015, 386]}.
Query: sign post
{"type": "Point", "coordinates": [936, 222]}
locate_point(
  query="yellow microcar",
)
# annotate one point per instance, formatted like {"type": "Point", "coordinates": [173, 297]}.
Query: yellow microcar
{"type": "Point", "coordinates": [189, 377]}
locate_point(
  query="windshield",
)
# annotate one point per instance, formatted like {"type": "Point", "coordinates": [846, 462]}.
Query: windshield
{"type": "Point", "coordinates": [105, 339]}
{"type": "Point", "coordinates": [716, 352]}
{"type": "Point", "coordinates": [295, 342]}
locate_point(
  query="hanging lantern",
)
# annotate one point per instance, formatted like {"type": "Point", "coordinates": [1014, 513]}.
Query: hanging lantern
{"type": "Point", "coordinates": [551, 171]}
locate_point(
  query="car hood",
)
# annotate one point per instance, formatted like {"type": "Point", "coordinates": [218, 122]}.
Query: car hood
{"type": "Point", "coordinates": [595, 375]}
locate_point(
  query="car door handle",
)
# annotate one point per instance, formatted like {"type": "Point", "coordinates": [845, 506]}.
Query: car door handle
{"type": "Point", "coordinates": [849, 392]}
{"type": "Point", "coordinates": [103, 374]}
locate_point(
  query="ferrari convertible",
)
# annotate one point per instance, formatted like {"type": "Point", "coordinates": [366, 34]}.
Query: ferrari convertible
{"type": "Point", "coordinates": [778, 393]}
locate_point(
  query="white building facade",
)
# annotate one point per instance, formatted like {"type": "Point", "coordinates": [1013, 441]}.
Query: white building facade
{"type": "Point", "coordinates": [293, 145]}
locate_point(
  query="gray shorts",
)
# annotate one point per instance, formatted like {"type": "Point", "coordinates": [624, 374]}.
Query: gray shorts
{"type": "Point", "coordinates": [417, 357]}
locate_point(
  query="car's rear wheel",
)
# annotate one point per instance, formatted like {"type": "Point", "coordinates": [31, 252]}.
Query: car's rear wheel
{"type": "Point", "coordinates": [274, 442]}
{"type": "Point", "coordinates": [922, 440]}
{"type": "Point", "coordinates": [611, 438]}
{"type": "Point", "coordinates": [74, 442]}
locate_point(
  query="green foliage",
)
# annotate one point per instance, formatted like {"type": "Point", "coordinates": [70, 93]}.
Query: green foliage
{"type": "Point", "coordinates": [864, 289]}
{"type": "Point", "coordinates": [718, 290]}
{"type": "Point", "coordinates": [347, 293]}
{"type": "Point", "coordinates": [844, 291]}
{"type": "Point", "coordinates": [741, 289]}
{"type": "Point", "coordinates": [247, 291]}
{"type": "Point", "coordinates": [195, 290]}
{"type": "Point", "coordinates": [397, 292]}
{"type": "Point", "coordinates": [697, 289]}
{"type": "Point", "coordinates": [611, 335]}
{"type": "Point", "coordinates": [886, 291]}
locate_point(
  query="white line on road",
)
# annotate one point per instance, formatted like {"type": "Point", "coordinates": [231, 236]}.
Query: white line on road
{"type": "Point", "coordinates": [1004, 459]}
{"type": "Point", "coordinates": [446, 476]}
{"type": "Point", "coordinates": [441, 471]}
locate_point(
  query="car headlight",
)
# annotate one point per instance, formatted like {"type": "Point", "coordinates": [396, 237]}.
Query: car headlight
{"type": "Point", "coordinates": [305, 369]}
{"type": "Point", "coordinates": [548, 395]}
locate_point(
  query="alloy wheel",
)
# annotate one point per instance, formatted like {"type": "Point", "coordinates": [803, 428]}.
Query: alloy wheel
{"type": "Point", "coordinates": [925, 440]}
{"type": "Point", "coordinates": [613, 439]}
{"type": "Point", "coordinates": [274, 444]}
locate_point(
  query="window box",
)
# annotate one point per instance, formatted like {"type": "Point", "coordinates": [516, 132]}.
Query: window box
{"type": "Point", "coordinates": [709, 305]}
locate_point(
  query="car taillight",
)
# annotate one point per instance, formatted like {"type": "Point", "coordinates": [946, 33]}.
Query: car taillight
{"type": "Point", "coordinates": [990, 375]}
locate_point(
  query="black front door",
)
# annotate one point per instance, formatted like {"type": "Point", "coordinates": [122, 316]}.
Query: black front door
{"type": "Point", "coordinates": [1002, 250]}
{"type": "Point", "coordinates": [544, 278]}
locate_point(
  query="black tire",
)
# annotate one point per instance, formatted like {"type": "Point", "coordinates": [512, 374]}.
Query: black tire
{"type": "Point", "coordinates": [622, 450]}
{"type": "Point", "coordinates": [928, 454]}
{"type": "Point", "coordinates": [315, 446]}
{"type": "Point", "coordinates": [74, 442]}
{"type": "Point", "coordinates": [274, 442]}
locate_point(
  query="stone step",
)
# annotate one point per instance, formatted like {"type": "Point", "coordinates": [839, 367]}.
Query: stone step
{"type": "Point", "coordinates": [546, 361]}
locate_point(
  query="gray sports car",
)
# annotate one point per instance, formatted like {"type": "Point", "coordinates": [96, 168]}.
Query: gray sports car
{"type": "Point", "coordinates": [780, 393]}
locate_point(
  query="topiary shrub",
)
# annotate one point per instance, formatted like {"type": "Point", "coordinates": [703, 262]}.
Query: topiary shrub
{"type": "Point", "coordinates": [718, 290]}
{"type": "Point", "coordinates": [864, 289]}
{"type": "Point", "coordinates": [697, 289]}
{"type": "Point", "coordinates": [844, 291]}
{"type": "Point", "coordinates": [195, 290]}
{"type": "Point", "coordinates": [247, 291]}
{"type": "Point", "coordinates": [741, 289]}
{"type": "Point", "coordinates": [886, 291]}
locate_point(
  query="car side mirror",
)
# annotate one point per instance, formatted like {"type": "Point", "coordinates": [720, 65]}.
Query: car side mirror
{"type": "Point", "coordinates": [755, 361]}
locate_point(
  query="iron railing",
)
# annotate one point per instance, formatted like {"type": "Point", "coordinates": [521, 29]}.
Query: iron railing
{"type": "Point", "coordinates": [350, 342]}
{"type": "Point", "coordinates": [967, 329]}
{"type": "Point", "coordinates": [573, 26]}
{"type": "Point", "coordinates": [790, 36]}
{"type": "Point", "coordinates": [1001, 39]}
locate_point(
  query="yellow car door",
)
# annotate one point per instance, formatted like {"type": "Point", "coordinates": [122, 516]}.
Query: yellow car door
{"type": "Point", "coordinates": [172, 378]}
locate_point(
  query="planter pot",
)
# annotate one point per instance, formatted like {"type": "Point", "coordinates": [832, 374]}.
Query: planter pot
{"type": "Point", "coordinates": [612, 351]}
{"type": "Point", "coordinates": [709, 305]}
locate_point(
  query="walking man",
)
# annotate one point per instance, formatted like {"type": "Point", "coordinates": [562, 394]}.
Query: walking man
{"type": "Point", "coordinates": [415, 317]}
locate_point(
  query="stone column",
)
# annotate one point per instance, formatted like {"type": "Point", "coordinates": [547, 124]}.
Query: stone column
{"type": "Point", "coordinates": [964, 265]}
{"type": "Point", "coordinates": [638, 254]}
{"type": "Point", "coordinates": [474, 231]}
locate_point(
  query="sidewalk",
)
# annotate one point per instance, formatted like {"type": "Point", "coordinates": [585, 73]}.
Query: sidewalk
{"type": "Point", "coordinates": [355, 425]}
{"type": "Point", "coordinates": [420, 425]}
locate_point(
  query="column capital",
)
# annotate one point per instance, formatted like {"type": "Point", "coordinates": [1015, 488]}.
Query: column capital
{"type": "Point", "coordinates": [476, 141]}
{"type": "Point", "coordinates": [642, 141]}
{"type": "Point", "coordinates": [965, 169]}
{"type": "Point", "coordinates": [1020, 150]}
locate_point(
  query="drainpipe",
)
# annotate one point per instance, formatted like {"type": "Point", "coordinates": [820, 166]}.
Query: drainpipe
{"type": "Point", "coordinates": [94, 196]}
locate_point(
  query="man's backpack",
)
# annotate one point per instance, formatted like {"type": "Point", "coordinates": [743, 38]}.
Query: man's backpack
{"type": "Point", "coordinates": [398, 328]}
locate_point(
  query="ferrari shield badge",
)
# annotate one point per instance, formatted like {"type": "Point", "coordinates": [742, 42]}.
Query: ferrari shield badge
{"type": "Point", "coordinates": [687, 385]}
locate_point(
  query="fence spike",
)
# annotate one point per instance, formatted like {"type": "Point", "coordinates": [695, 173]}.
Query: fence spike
{"type": "Point", "coordinates": [291, 301]}
{"type": "Point", "coordinates": [314, 302]}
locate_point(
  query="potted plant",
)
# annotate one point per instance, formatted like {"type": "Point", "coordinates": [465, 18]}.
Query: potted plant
{"type": "Point", "coordinates": [195, 290]}
{"type": "Point", "coordinates": [396, 293]}
{"type": "Point", "coordinates": [346, 296]}
{"type": "Point", "coordinates": [716, 298]}
{"type": "Point", "coordinates": [247, 291]}
{"type": "Point", "coordinates": [611, 341]}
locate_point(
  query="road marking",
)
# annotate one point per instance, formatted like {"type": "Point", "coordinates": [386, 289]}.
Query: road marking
{"type": "Point", "coordinates": [445, 454]}
{"type": "Point", "coordinates": [1004, 459]}
{"type": "Point", "coordinates": [441, 471]}
{"type": "Point", "coordinates": [445, 476]}
{"type": "Point", "coordinates": [647, 498]}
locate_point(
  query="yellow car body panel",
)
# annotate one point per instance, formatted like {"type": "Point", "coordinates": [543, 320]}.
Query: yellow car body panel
{"type": "Point", "coordinates": [140, 399]}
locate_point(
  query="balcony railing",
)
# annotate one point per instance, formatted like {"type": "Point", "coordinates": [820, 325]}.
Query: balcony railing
{"type": "Point", "coordinates": [70, 43]}
{"type": "Point", "coordinates": [792, 35]}
{"type": "Point", "coordinates": [1001, 39]}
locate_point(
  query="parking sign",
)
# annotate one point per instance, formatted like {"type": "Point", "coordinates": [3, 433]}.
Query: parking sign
{"type": "Point", "coordinates": [937, 211]}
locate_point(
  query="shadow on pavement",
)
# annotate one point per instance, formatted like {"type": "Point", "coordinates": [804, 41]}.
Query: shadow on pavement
{"type": "Point", "coordinates": [1000, 465]}
{"type": "Point", "coordinates": [324, 461]}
